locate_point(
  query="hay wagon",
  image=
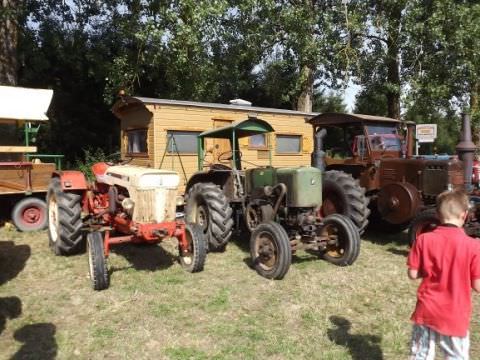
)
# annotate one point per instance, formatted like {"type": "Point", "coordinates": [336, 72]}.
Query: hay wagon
{"type": "Point", "coordinates": [24, 174]}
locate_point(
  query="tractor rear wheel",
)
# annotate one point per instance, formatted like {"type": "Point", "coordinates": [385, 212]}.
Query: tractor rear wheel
{"type": "Point", "coordinates": [30, 214]}
{"type": "Point", "coordinates": [425, 221]}
{"type": "Point", "coordinates": [207, 205]}
{"type": "Point", "coordinates": [64, 220]}
{"type": "Point", "coordinates": [97, 262]}
{"type": "Point", "coordinates": [343, 244]}
{"type": "Point", "coordinates": [193, 258]}
{"type": "Point", "coordinates": [342, 194]}
{"type": "Point", "coordinates": [270, 250]}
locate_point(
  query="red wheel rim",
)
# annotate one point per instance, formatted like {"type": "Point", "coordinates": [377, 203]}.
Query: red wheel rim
{"type": "Point", "coordinates": [32, 215]}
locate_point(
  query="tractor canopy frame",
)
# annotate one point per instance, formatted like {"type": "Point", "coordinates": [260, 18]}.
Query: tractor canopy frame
{"type": "Point", "coordinates": [233, 132]}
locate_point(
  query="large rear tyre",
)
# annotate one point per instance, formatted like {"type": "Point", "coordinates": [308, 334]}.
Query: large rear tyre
{"type": "Point", "coordinates": [343, 240]}
{"type": "Point", "coordinates": [97, 262]}
{"type": "Point", "coordinates": [342, 194]}
{"type": "Point", "coordinates": [425, 221]}
{"type": "Point", "coordinates": [207, 205]}
{"type": "Point", "coordinates": [270, 250]}
{"type": "Point", "coordinates": [64, 220]}
{"type": "Point", "coordinates": [30, 214]}
{"type": "Point", "coordinates": [193, 258]}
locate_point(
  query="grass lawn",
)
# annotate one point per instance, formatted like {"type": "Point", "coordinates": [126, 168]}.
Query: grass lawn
{"type": "Point", "coordinates": [155, 310]}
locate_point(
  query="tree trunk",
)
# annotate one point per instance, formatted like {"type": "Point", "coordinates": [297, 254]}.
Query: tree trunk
{"type": "Point", "coordinates": [305, 100]}
{"type": "Point", "coordinates": [393, 81]}
{"type": "Point", "coordinates": [474, 92]}
{"type": "Point", "coordinates": [8, 41]}
{"type": "Point", "coordinates": [392, 60]}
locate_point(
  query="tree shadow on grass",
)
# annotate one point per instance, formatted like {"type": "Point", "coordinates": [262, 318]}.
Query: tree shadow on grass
{"type": "Point", "coordinates": [360, 347]}
{"type": "Point", "coordinates": [38, 342]}
{"type": "Point", "coordinates": [10, 308]}
{"type": "Point", "coordinates": [145, 257]}
{"type": "Point", "coordinates": [12, 260]}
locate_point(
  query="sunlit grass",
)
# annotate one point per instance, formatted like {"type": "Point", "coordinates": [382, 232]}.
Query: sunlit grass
{"type": "Point", "coordinates": [154, 309]}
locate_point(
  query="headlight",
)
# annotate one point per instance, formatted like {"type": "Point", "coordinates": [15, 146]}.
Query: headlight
{"type": "Point", "coordinates": [179, 200]}
{"type": "Point", "coordinates": [128, 204]}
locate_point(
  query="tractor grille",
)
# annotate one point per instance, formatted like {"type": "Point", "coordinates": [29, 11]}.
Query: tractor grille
{"type": "Point", "coordinates": [435, 180]}
{"type": "Point", "coordinates": [155, 205]}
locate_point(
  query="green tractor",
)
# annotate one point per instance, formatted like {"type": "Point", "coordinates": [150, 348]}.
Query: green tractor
{"type": "Point", "coordinates": [280, 207]}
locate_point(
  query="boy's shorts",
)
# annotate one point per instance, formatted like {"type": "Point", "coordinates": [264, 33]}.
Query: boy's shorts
{"type": "Point", "coordinates": [423, 344]}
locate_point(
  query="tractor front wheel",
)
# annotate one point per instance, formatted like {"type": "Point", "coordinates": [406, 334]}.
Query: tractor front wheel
{"type": "Point", "coordinates": [64, 220]}
{"type": "Point", "coordinates": [192, 259]}
{"type": "Point", "coordinates": [207, 205]}
{"type": "Point", "coordinates": [30, 214]}
{"type": "Point", "coordinates": [97, 262]}
{"type": "Point", "coordinates": [343, 240]}
{"type": "Point", "coordinates": [425, 221]}
{"type": "Point", "coordinates": [270, 250]}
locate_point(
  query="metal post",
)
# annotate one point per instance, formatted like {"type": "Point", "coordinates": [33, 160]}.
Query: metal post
{"type": "Point", "coordinates": [465, 150]}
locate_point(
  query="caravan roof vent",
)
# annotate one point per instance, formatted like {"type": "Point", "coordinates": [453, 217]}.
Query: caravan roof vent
{"type": "Point", "coordinates": [240, 102]}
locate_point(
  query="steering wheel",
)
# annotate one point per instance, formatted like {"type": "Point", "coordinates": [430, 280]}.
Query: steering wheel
{"type": "Point", "coordinates": [120, 162]}
{"type": "Point", "coordinates": [228, 155]}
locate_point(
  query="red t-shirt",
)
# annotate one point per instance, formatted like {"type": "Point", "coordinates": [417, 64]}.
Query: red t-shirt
{"type": "Point", "coordinates": [448, 261]}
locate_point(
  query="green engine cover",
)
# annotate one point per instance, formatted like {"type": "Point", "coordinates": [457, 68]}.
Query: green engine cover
{"type": "Point", "coordinates": [304, 184]}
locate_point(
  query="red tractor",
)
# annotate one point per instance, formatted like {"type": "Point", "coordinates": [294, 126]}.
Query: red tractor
{"type": "Point", "coordinates": [124, 204]}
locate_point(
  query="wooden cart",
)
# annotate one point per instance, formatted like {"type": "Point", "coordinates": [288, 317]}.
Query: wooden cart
{"type": "Point", "coordinates": [24, 176]}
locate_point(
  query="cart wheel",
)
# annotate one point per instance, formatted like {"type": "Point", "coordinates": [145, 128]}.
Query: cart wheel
{"type": "Point", "coordinates": [193, 258]}
{"type": "Point", "coordinates": [30, 214]}
{"type": "Point", "coordinates": [97, 263]}
{"type": "Point", "coordinates": [343, 240]}
{"type": "Point", "coordinates": [270, 250]}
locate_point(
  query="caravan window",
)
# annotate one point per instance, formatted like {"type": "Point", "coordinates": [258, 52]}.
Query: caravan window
{"type": "Point", "coordinates": [183, 142]}
{"type": "Point", "coordinates": [137, 142]}
{"type": "Point", "coordinates": [288, 144]}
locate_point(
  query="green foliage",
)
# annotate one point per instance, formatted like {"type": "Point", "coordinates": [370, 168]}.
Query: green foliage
{"type": "Point", "coordinates": [330, 102]}
{"type": "Point", "coordinates": [92, 156]}
{"type": "Point", "coordinates": [275, 53]}
{"type": "Point", "coordinates": [371, 101]}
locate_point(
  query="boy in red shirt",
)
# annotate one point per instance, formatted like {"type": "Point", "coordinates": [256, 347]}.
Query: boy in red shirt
{"type": "Point", "coordinates": [448, 262]}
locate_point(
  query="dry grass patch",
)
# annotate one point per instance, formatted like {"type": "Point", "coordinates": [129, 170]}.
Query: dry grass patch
{"type": "Point", "coordinates": [153, 309]}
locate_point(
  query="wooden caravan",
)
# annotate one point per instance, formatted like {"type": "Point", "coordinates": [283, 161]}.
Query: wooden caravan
{"type": "Point", "coordinates": [163, 134]}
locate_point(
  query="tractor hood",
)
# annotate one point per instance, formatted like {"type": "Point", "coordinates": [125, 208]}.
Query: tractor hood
{"type": "Point", "coordinates": [139, 177]}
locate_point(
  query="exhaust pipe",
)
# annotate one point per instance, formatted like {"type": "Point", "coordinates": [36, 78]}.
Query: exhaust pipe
{"type": "Point", "coordinates": [465, 150]}
{"type": "Point", "coordinates": [318, 153]}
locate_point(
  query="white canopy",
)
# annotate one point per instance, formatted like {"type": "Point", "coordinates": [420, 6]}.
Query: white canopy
{"type": "Point", "coordinates": [18, 103]}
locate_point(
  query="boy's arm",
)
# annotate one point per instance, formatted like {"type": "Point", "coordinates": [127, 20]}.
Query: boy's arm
{"type": "Point", "coordinates": [475, 267]}
{"type": "Point", "coordinates": [413, 274]}
{"type": "Point", "coordinates": [476, 285]}
{"type": "Point", "coordinates": [414, 260]}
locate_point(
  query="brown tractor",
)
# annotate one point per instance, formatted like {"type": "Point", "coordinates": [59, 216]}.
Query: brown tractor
{"type": "Point", "coordinates": [370, 170]}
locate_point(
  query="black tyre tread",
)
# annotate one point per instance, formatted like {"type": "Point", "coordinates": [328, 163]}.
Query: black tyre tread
{"type": "Point", "coordinates": [71, 238]}
{"type": "Point", "coordinates": [99, 278]}
{"type": "Point", "coordinates": [219, 211]}
{"type": "Point", "coordinates": [353, 250]}
{"type": "Point", "coordinates": [357, 203]}
{"type": "Point", "coordinates": [421, 217]}
{"type": "Point", "coordinates": [199, 249]}
{"type": "Point", "coordinates": [18, 207]}
{"type": "Point", "coordinates": [285, 250]}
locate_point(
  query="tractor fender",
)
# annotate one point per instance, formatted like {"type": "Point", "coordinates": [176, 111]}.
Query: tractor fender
{"type": "Point", "coordinates": [216, 177]}
{"type": "Point", "coordinates": [71, 180]}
